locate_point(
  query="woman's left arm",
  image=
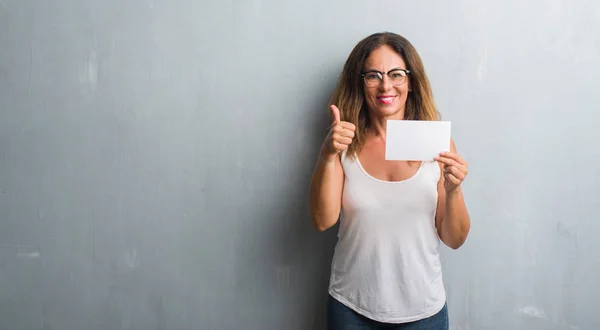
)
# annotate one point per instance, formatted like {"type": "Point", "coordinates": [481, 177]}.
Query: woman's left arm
{"type": "Point", "coordinates": [452, 218]}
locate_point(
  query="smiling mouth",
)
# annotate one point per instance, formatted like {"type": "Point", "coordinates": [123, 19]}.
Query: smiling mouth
{"type": "Point", "coordinates": [386, 99]}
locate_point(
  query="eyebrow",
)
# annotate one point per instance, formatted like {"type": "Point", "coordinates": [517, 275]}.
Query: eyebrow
{"type": "Point", "coordinates": [373, 70]}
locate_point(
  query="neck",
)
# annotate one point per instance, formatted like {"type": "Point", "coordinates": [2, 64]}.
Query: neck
{"type": "Point", "coordinates": [379, 124]}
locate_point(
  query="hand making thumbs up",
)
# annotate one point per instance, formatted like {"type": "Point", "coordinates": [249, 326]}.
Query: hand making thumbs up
{"type": "Point", "coordinates": [340, 136]}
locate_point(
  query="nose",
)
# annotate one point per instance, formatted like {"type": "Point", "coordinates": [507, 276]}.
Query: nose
{"type": "Point", "coordinates": [385, 83]}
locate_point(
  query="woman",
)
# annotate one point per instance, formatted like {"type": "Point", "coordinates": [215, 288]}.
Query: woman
{"type": "Point", "coordinates": [386, 271]}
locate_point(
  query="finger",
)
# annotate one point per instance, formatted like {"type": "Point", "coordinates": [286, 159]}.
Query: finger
{"type": "Point", "coordinates": [454, 156]}
{"type": "Point", "coordinates": [341, 139]}
{"type": "Point", "coordinates": [345, 133]}
{"type": "Point", "coordinates": [343, 126]}
{"type": "Point", "coordinates": [348, 125]}
{"type": "Point", "coordinates": [456, 172]}
{"type": "Point", "coordinates": [447, 161]}
{"type": "Point", "coordinates": [451, 178]}
{"type": "Point", "coordinates": [336, 113]}
{"type": "Point", "coordinates": [339, 146]}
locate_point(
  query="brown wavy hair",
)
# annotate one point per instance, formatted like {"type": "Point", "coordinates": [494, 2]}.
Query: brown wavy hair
{"type": "Point", "coordinates": [349, 97]}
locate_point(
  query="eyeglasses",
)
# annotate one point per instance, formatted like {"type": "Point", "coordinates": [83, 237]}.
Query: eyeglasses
{"type": "Point", "coordinates": [396, 76]}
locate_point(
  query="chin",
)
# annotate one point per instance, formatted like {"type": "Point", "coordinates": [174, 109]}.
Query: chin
{"type": "Point", "coordinates": [391, 112]}
{"type": "Point", "coordinates": [387, 110]}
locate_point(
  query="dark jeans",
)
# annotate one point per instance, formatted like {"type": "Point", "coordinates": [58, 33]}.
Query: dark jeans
{"type": "Point", "coordinates": [340, 317]}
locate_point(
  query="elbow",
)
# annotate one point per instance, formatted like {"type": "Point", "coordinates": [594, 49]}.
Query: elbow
{"type": "Point", "coordinates": [321, 228]}
{"type": "Point", "coordinates": [455, 237]}
{"type": "Point", "coordinates": [322, 223]}
{"type": "Point", "coordinates": [455, 245]}
{"type": "Point", "coordinates": [456, 242]}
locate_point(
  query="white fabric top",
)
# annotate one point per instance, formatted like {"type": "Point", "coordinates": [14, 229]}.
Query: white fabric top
{"type": "Point", "coordinates": [386, 264]}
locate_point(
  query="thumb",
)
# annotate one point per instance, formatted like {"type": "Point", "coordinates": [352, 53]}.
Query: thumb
{"type": "Point", "coordinates": [336, 113]}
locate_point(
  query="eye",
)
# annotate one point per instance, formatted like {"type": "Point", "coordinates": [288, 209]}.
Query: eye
{"type": "Point", "coordinates": [371, 76]}
{"type": "Point", "coordinates": [398, 74]}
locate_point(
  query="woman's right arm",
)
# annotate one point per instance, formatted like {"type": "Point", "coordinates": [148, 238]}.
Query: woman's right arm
{"type": "Point", "coordinates": [325, 197]}
{"type": "Point", "coordinates": [326, 192]}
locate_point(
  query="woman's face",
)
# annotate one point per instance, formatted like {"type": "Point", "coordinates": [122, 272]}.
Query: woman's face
{"type": "Point", "coordinates": [385, 97]}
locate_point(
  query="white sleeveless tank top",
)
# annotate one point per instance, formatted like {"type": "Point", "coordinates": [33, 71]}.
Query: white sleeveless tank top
{"type": "Point", "coordinates": [386, 264]}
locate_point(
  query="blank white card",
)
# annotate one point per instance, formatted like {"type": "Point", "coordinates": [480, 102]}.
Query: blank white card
{"type": "Point", "coordinates": [418, 140]}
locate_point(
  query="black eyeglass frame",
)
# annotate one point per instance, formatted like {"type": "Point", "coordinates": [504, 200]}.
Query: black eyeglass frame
{"type": "Point", "coordinates": [380, 74]}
